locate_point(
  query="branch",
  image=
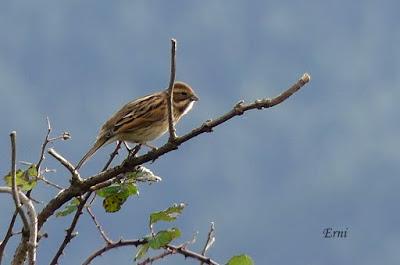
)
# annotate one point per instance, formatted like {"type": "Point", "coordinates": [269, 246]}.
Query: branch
{"type": "Point", "coordinates": [112, 156]}
{"type": "Point", "coordinates": [45, 142]}
{"type": "Point", "coordinates": [98, 226]}
{"type": "Point", "coordinates": [75, 174]}
{"type": "Point", "coordinates": [210, 240]}
{"type": "Point", "coordinates": [48, 182]}
{"type": "Point", "coordinates": [150, 260]}
{"type": "Point", "coordinates": [15, 190]}
{"type": "Point", "coordinates": [132, 162]}
{"type": "Point", "coordinates": [191, 254]}
{"type": "Point", "coordinates": [170, 248]}
{"type": "Point", "coordinates": [29, 244]}
{"type": "Point", "coordinates": [8, 235]}
{"type": "Point", "coordinates": [171, 126]}
{"type": "Point", "coordinates": [21, 251]}
{"type": "Point", "coordinates": [71, 229]}
{"type": "Point", "coordinates": [237, 110]}
{"type": "Point", "coordinates": [20, 255]}
{"type": "Point", "coordinates": [120, 243]}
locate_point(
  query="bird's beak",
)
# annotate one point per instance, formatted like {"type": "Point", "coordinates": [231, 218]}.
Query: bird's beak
{"type": "Point", "coordinates": [194, 98]}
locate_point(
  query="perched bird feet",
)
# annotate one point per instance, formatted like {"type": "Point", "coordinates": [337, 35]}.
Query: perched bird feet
{"type": "Point", "coordinates": [133, 151]}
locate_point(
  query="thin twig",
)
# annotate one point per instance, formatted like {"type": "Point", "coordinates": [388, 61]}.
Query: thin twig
{"type": "Point", "coordinates": [132, 162]}
{"type": "Point", "coordinates": [28, 241]}
{"type": "Point", "coordinates": [69, 232]}
{"type": "Point", "coordinates": [14, 187]}
{"type": "Point", "coordinates": [120, 243]}
{"type": "Point", "coordinates": [45, 142]}
{"type": "Point", "coordinates": [150, 260]}
{"type": "Point", "coordinates": [19, 255]}
{"type": "Point", "coordinates": [48, 182]}
{"type": "Point", "coordinates": [107, 183]}
{"type": "Point", "coordinates": [171, 126]}
{"type": "Point", "coordinates": [112, 156]}
{"type": "Point", "coordinates": [97, 224]}
{"type": "Point", "coordinates": [8, 235]}
{"type": "Point", "coordinates": [210, 240]}
{"type": "Point", "coordinates": [188, 253]}
{"type": "Point", "coordinates": [75, 174]}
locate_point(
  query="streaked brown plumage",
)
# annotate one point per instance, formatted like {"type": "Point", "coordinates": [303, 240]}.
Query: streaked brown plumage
{"type": "Point", "coordinates": [144, 119]}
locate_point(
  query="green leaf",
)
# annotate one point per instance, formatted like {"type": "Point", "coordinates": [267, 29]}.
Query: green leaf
{"type": "Point", "coordinates": [32, 171]}
{"type": "Point", "coordinates": [114, 202]}
{"type": "Point", "coordinates": [162, 238]}
{"type": "Point", "coordinates": [241, 260]}
{"type": "Point", "coordinates": [142, 251]}
{"type": "Point", "coordinates": [68, 209]}
{"type": "Point", "coordinates": [130, 189]}
{"type": "Point", "coordinates": [108, 191]}
{"type": "Point", "coordinates": [25, 180]}
{"type": "Point", "coordinates": [159, 240]}
{"type": "Point", "coordinates": [116, 194]}
{"type": "Point", "coordinates": [167, 215]}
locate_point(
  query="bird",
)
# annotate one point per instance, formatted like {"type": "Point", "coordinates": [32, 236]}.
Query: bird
{"type": "Point", "coordinates": [144, 119]}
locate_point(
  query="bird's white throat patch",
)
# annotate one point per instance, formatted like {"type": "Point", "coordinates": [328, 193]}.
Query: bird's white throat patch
{"type": "Point", "coordinates": [189, 107]}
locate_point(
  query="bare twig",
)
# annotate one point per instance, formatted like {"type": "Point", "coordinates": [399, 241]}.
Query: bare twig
{"type": "Point", "coordinates": [97, 224]}
{"type": "Point", "coordinates": [69, 232]}
{"type": "Point", "coordinates": [48, 182]}
{"type": "Point", "coordinates": [75, 174]}
{"type": "Point", "coordinates": [150, 260]}
{"type": "Point", "coordinates": [171, 126]}
{"type": "Point", "coordinates": [19, 255]}
{"type": "Point", "coordinates": [112, 156]}
{"type": "Point", "coordinates": [45, 142]}
{"type": "Point", "coordinates": [120, 243]}
{"type": "Point", "coordinates": [15, 190]}
{"type": "Point", "coordinates": [106, 183]}
{"type": "Point", "coordinates": [188, 253]}
{"type": "Point", "coordinates": [132, 162]}
{"type": "Point", "coordinates": [28, 241]}
{"type": "Point", "coordinates": [191, 241]}
{"type": "Point", "coordinates": [210, 240]}
{"type": "Point", "coordinates": [8, 235]}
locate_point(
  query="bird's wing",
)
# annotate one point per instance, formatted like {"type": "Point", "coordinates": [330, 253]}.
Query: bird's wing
{"type": "Point", "coordinates": [138, 113]}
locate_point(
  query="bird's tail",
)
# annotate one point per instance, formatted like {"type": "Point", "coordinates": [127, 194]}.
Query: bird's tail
{"type": "Point", "coordinates": [99, 143]}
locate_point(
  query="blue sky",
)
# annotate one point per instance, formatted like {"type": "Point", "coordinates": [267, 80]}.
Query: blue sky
{"type": "Point", "coordinates": [271, 180]}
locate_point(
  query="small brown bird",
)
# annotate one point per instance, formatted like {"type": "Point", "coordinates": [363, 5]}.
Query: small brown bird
{"type": "Point", "coordinates": [144, 119]}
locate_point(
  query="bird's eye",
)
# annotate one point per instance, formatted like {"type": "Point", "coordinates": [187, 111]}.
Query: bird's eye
{"type": "Point", "coordinates": [184, 93]}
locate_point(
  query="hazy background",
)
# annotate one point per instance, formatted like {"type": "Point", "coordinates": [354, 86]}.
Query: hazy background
{"type": "Point", "coordinates": [271, 180]}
